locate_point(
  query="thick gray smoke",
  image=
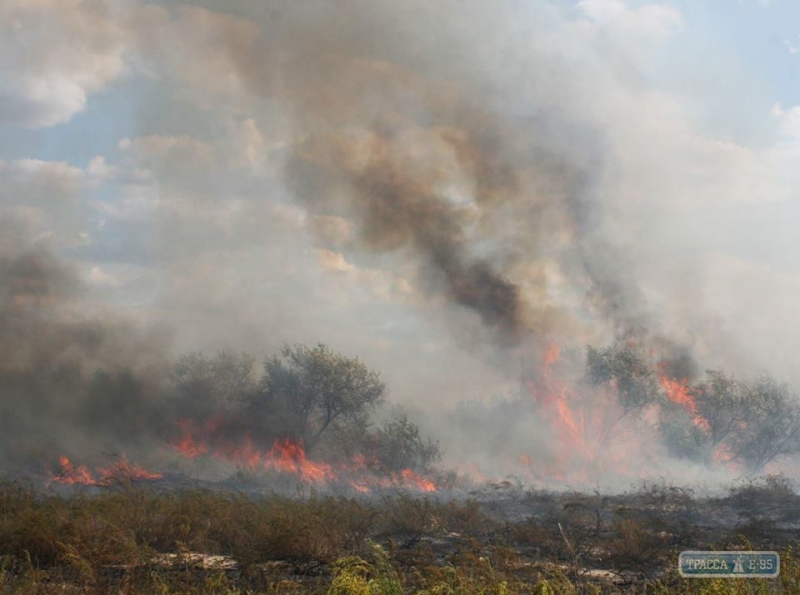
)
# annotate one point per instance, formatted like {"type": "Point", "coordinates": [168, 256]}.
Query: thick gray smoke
{"type": "Point", "coordinates": [496, 177]}
{"type": "Point", "coordinates": [74, 377]}
{"type": "Point", "coordinates": [396, 209]}
{"type": "Point", "coordinates": [400, 130]}
{"type": "Point", "coordinates": [424, 157]}
{"type": "Point", "coordinates": [394, 134]}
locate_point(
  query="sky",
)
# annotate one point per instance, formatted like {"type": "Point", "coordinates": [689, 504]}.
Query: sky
{"type": "Point", "coordinates": [227, 173]}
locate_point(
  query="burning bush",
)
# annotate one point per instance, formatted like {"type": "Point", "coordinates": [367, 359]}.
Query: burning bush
{"type": "Point", "coordinates": [626, 372]}
{"type": "Point", "coordinates": [312, 391]}
{"type": "Point", "coordinates": [717, 419]}
{"type": "Point", "coordinates": [309, 414]}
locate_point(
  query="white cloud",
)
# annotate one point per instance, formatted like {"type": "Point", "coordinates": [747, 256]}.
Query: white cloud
{"type": "Point", "coordinates": [334, 262]}
{"type": "Point", "coordinates": [39, 183]}
{"type": "Point", "coordinates": [44, 197]}
{"type": "Point", "coordinates": [99, 170]}
{"type": "Point", "coordinates": [97, 276]}
{"type": "Point", "coordinates": [653, 21]}
{"type": "Point", "coordinates": [789, 120]}
{"type": "Point", "coordinates": [53, 54]}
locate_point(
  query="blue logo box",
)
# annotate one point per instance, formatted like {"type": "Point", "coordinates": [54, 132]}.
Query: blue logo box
{"type": "Point", "coordinates": [729, 564]}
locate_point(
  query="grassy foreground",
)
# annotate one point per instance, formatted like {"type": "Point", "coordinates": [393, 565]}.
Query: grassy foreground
{"type": "Point", "coordinates": [130, 540]}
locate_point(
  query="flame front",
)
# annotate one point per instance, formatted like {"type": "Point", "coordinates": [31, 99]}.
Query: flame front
{"type": "Point", "coordinates": [288, 457]}
{"type": "Point", "coordinates": [555, 398]}
{"type": "Point", "coordinates": [587, 429]}
{"type": "Point", "coordinates": [413, 479]}
{"type": "Point", "coordinates": [103, 476]}
{"type": "Point", "coordinates": [73, 475]}
{"type": "Point", "coordinates": [291, 458]}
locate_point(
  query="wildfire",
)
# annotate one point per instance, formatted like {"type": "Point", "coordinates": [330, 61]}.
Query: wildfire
{"type": "Point", "coordinates": [284, 455]}
{"type": "Point", "coordinates": [103, 476]}
{"type": "Point", "coordinates": [121, 468]}
{"type": "Point", "coordinates": [590, 432]}
{"type": "Point", "coordinates": [413, 479]}
{"type": "Point", "coordinates": [723, 454]}
{"type": "Point", "coordinates": [291, 458]}
{"type": "Point", "coordinates": [288, 457]}
{"type": "Point", "coordinates": [73, 475]}
{"type": "Point", "coordinates": [188, 447]}
{"type": "Point", "coordinates": [557, 399]}
{"type": "Point", "coordinates": [677, 392]}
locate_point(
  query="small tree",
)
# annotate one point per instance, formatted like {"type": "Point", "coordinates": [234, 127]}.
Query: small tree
{"type": "Point", "coordinates": [772, 424]}
{"type": "Point", "coordinates": [627, 372]}
{"type": "Point", "coordinates": [680, 434]}
{"type": "Point", "coordinates": [206, 385]}
{"type": "Point", "coordinates": [311, 390]}
{"type": "Point", "coordinates": [723, 402]}
{"type": "Point", "coordinates": [398, 446]}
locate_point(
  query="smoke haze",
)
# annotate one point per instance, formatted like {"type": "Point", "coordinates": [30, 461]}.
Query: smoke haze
{"type": "Point", "coordinates": [443, 189]}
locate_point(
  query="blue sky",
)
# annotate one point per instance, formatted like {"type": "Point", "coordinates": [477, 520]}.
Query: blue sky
{"type": "Point", "coordinates": [745, 49]}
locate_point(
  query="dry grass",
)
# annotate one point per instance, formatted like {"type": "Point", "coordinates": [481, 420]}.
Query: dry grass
{"type": "Point", "coordinates": [129, 540]}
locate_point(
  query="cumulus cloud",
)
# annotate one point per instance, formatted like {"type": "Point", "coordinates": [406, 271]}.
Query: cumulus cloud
{"type": "Point", "coordinates": [334, 262]}
{"type": "Point", "coordinates": [44, 197]}
{"type": "Point", "coordinates": [789, 122]}
{"type": "Point", "coordinates": [53, 54]}
{"type": "Point", "coordinates": [99, 277]}
{"type": "Point", "coordinates": [651, 20]}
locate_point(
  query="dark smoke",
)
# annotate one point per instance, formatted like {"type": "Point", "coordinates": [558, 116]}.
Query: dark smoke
{"type": "Point", "coordinates": [399, 128]}
{"type": "Point", "coordinates": [70, 382]}
{"type": "Point", "coordinates": [390, 124]}
{"type": "Point", "coordinates": [396, 210]}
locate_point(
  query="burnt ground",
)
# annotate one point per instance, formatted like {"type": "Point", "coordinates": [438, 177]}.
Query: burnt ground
{"type": "Point", "coordinates": [169, 537]}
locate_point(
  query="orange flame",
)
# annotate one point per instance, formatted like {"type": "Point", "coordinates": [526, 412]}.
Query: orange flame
{"type": "Point", "coordinates": [73, 475]}
{"type": "Point", "coordinates": [120, 469]}
{"type": "Point", "coordinates": [413, 479]}
{"type": "Point", "coordinates": [677, 392]}
{"type": "Point", "coordinates": [288, 457]}
{"type": "Point", "coordinates": [555, 397]}
{"type": "Point", "coordinates": [188, 447]}
{"type": "Point", "coordinates": [590, 431]}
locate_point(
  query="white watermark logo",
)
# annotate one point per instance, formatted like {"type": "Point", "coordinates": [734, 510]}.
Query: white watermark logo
{"type": "Point", "coordinates": [729, 564]}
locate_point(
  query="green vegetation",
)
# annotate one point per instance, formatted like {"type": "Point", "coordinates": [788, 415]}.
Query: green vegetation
{"type": "Point", "coordinates": [313, 390]}
{"type": "Point", "coordinates": [311, 396]}
{"type": "Point", "coordinates": [627, 371]}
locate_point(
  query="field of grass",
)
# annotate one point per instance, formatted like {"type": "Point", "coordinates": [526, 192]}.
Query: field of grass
{"type": "Point", "coordinates": [503, 539]}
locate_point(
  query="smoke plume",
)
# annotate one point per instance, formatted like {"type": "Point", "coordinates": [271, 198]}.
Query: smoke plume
{"type": "Point", "coordinates": [450, 189]}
